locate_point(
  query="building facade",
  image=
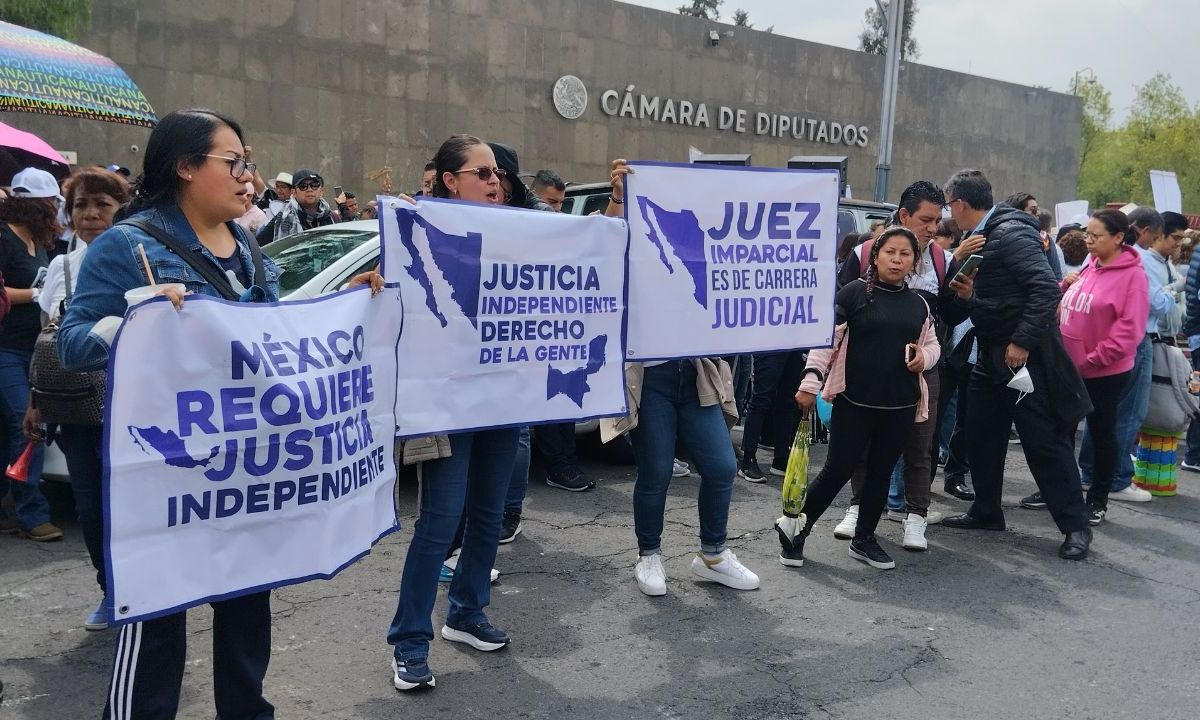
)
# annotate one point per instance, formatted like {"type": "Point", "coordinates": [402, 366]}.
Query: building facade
{"type": "Point", "coordinates": [351, 86]}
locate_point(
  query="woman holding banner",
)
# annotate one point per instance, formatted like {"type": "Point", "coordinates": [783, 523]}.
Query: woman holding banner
{"type": "Point", "coordinates": [877, 389]}
{"type": "Point", "coordinates": [191, 190]}
{"type": "Point", "coordinates": [468, 471]}
{"type": "Point", "coordinates": [683, 401]}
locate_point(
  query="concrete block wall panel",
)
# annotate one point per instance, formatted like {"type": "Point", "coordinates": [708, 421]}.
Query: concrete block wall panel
{"type": "Point", "coordinates": [347, 86]}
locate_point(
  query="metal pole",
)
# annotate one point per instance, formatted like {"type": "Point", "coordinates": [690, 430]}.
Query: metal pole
{"type": "Point", "coordinates": [891, 77]}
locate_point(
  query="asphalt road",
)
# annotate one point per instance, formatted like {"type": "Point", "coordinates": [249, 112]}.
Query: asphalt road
{"type": "Point", "coordinates": [984, 625]}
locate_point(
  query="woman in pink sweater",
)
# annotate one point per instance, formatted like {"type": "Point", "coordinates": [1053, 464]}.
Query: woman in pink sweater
{"type": "Point", "coordinates": [1102, 317]}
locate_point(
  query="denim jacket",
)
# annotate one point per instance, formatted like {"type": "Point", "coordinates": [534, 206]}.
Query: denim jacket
{"type": "Point", "coordinates": [113, 266]}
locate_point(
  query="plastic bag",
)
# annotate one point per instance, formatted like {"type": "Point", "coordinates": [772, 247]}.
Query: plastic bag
{"type": "Point", "coordinates": [795, 485]}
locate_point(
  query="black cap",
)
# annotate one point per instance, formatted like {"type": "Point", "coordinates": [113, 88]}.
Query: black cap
{"type": "Point", "coordinates": [506, 160]}
{"type": "Point", "coordinates": [301, 175]}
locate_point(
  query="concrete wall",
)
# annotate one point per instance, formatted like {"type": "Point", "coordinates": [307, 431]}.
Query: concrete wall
{"type": "Point", "coordinates": [347, 86]}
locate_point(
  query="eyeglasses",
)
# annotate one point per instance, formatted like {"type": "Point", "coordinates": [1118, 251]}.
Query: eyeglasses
{"type": "Point", "coordinates": [310, 185]}
{"type": "Point", "coordinates": [484, 173]}
{"type": "Point", "coordinates": [237, 166]}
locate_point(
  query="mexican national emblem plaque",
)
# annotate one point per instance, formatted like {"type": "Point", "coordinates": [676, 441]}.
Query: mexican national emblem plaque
{"type": "Point", "coordinates": [570, 97]}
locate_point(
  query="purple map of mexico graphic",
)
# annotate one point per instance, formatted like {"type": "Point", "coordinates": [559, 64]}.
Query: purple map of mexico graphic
{"type": "Point", "coordinates": [458, 260]}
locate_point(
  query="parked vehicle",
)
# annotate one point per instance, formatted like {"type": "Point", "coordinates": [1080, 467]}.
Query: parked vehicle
{"type": "Point", "coordinates": [854, 216]}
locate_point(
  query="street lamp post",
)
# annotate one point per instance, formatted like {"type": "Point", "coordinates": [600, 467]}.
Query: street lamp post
{"type": "Point", "coordinates": [894, 14]}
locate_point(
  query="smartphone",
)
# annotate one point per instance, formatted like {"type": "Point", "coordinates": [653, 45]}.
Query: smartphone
{"type": "Point", "coordinates": [910, 353]}
{"type": "Point", "coordinates": [969, 266]}
{"type": "Point", "coordinates": [337, 190]}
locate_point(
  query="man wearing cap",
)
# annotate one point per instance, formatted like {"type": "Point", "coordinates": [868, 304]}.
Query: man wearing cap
{"type": "Point", "coordinates": [304, 211]}
{"type": "Point", "coordinates": [273, 199]}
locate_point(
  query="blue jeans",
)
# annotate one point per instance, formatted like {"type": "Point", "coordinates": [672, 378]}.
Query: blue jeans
{"type": "Point", "coordinates": [1131, 412]}
{"type": "Point", "coordinates": [519, 481]}
{"type": "Point", "coordinates": [1192, 456]}
{"type": "Point", "coordinates": [947, 420]}
{"type": "Point", "coordinates": [671, 411]}
{"type": "Point", "coordinates": [896, 501]}
{"type": "Point", "coordinates": [476, 477]}
{"type": "Point", "coordinates": [31, 506]}
{"type": "Point", "coordinates": [81, 445]}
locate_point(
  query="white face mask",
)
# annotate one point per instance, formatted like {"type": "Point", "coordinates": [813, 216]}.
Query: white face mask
{"type": "Point", "coordinates": [1021, 382]}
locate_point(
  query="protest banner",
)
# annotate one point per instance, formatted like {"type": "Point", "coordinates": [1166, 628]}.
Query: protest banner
{"type": "Point", "coordinates": [727, 260]}
{"type": "Point", "coordinates": [511, 317]}
{"type": "Point", "coordinates": [255, 450]}
{"type": "Point", "coordinates": [1072, 211]}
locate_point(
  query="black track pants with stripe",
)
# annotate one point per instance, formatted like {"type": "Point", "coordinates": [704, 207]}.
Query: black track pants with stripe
{"type": "Point", "coordinates": [148, 666]}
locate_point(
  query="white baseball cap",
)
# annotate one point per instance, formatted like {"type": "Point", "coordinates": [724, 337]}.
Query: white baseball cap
{"type": "Point", "coordinates": [285, 178]}
{"type": "Point", "coordinates": [34, 183]}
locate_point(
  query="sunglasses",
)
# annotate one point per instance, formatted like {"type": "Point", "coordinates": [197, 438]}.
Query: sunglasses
{"type": "Point", "coordinates": [484, 173]}
{"type": "Point", "coordinates": [310, 186]}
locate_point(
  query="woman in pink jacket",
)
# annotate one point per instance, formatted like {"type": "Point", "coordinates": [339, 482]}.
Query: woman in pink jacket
{"type": "Point", "coordinates": [1102, 317]}
{"type": "Point", "coordinates": [884, 341]}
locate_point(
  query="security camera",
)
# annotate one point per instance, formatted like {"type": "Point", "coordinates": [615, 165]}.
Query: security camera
{"type": "Point", "coordinates": [714, 38]}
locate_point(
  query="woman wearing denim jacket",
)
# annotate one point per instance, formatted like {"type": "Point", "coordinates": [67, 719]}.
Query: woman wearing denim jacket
{"type": "Point", "coordinates": [192, 185]}
{"type": "Point", "coordinates": [475, 476]}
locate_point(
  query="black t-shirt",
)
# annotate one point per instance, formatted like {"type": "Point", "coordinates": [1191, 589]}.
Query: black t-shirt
{"type": "Point", "coordinates": [879, 330]}
{"type": "Point", "coordinates": [21, 271]}
{"type": "Point", "coordinates": [234, 263]}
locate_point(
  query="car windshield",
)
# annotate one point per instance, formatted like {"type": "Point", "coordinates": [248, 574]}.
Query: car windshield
{"type": "Point", "coordinates": [302, 257]}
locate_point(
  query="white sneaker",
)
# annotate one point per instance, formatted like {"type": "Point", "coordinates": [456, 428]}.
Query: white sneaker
{"type": "Point", "coordinates": [680, 469]}
{"type": "Point", "coordinates": [451, 564]}
{"type": "Point", "coordinates": [1133, 493]}
{"type": "Point", "coordinates": [845, 529]}
{"type": "Point", "coordinates": [932, 517]}
{"type": "Point", "coordinates": [1189, 467]}
{"type": "Point", "coordinates": [650, 575]}
{"type": "Point", "coordinates": [914, 533]}
{"type": "Point", "coordinates": [725, 569]}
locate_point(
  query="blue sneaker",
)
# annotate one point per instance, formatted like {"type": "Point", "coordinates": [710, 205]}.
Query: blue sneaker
{"type": "Point", "coordinates": [412, 674]}
{"type": "Point", "coordinates": [481, 636]}
{"type": "Point", "coordinates": [97, 619]}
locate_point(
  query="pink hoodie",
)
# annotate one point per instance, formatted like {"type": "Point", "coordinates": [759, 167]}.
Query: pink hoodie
{"type": "Point", "coordinates": [1103, 315]}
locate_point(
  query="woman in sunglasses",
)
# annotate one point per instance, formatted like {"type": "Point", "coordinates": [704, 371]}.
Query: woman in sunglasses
{"type": "Point", "coordinates": [192, 188]}
{"type": "Point", "coordinates": [464, 471]}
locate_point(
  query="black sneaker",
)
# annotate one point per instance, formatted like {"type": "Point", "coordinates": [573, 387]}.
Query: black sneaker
{"type": "Point", "coordinates": [779, 471]}
{"type": "Point", "coordinates": [511, 527]}
{"type": "Point", "coordinates": [481, 636]}
{"type": "Point", "coordinates": [412, 674]}
{"type": "Point", "coordinates": [749, 469]}
{"type": "Point", "coordinates": [572, 480]}
{"type": "Point", "coordinates": [791, 550]}
{"type": "Point", "coordinates": [1033, 502]}
{"type": "Point", "coordinates": [1096, 514]}
{"type": "Point", "coordinates": [868, 551]}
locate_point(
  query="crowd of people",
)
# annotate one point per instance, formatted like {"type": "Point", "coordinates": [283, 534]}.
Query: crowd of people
{"type": "Point", "coordinates": [968, 316]}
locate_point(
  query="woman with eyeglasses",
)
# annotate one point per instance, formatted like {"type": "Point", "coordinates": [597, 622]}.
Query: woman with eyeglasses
{"type": "Point", "coordinates": [468, 470]}
{"type": "Point", "coordinates": [1102, 318]}
{"type": "Point", "coordinates": [93, 196]}
{"type": "Point", "coordinates": [28, 229]}
{"type": "Point", "coordinates": [192, 188]}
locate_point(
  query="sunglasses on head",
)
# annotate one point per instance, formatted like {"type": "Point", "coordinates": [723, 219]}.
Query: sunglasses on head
{"type": "Point", "coordinates": [314, 185]}
{"type": "Point", "coordinates": [484, 173]}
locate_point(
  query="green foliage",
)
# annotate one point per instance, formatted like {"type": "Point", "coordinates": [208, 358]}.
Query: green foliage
{"type": "Point", "coordinates": [703, 9]}
{"type": "Point", "coordinates": [61, 18]}
{"type": "Point", "coordinates": [874, 36]}
{"type": "Point", "coordinates": [1161, 133]}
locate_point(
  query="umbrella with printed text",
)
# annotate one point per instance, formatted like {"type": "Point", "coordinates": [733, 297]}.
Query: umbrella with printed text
{"type": "Point", "coordinates": [40, 73]}
{"type": "Point", "coordinates": [20, 149]}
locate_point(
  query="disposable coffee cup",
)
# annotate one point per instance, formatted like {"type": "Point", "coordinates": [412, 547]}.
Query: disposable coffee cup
{"type": "Point", "coordinates": [139, 294]}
